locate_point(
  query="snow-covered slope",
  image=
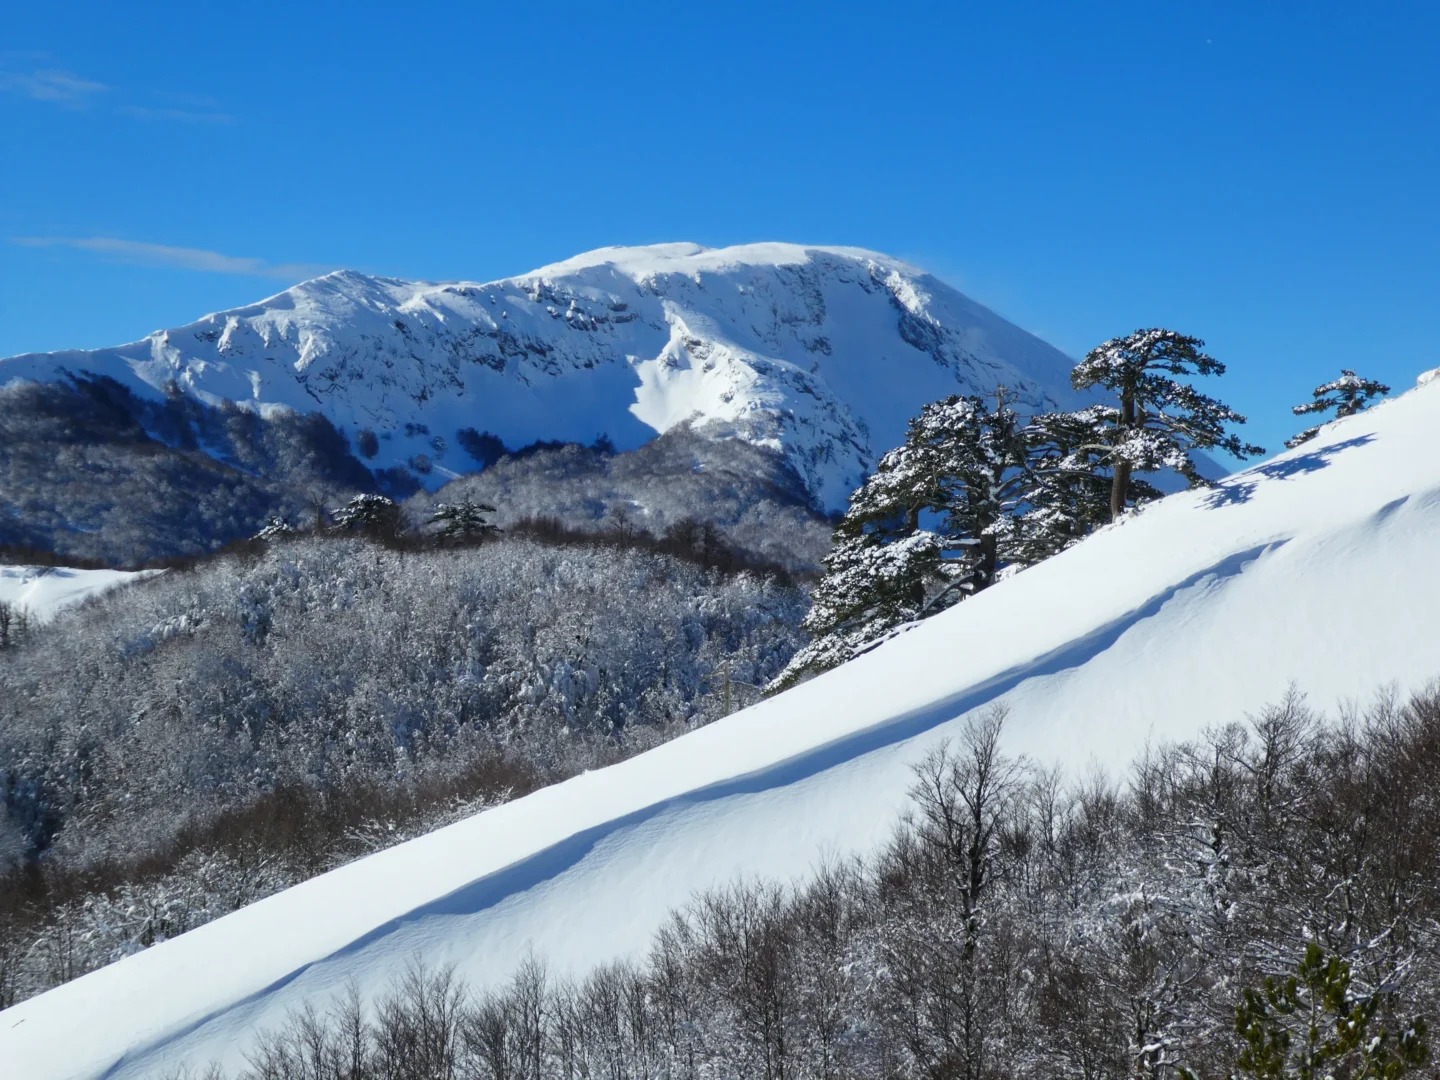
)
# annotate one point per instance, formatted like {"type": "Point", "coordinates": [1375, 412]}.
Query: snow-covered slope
{"type": "Point", "coordinates": [43, 590]}
{"type": "Point", "coordinates": [822, 352]}
{"type": "Point", "coordinates": [1318, 566]}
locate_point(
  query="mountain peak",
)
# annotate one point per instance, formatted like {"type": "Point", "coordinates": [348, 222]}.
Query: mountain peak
{"type": "Point", "coordinates": [822, 353]}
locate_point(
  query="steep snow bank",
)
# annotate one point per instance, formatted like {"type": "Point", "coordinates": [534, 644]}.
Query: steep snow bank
{"type": "Point", "coordinates": [1317, 566]}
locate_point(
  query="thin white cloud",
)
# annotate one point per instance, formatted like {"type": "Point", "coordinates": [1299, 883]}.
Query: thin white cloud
{"type": "Point", "coordinates": [178, 258]}
{"type": "Point", "coordinates": [56, 86]}
{"type": "Point", "coordinates": [52, 85]}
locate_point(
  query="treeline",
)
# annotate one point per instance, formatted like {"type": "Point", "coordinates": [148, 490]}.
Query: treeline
{"type": "Point", "coordinates": [699, 542]}
{"type": "Point", "coordinates": [750, 494]}
{"type": "Point", "coordinates": [1263, 901]}
{"type": "Point", "coordinates": [174, 750]}
{"type": "Point", "coordinates": [467, 523]}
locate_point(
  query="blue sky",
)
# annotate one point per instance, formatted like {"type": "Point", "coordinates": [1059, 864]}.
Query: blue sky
{"type": "Point", "coordinates": [1264, 176]}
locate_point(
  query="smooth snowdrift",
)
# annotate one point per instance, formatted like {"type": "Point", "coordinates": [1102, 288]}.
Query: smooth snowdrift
{"type": "Point", "coordinates": [1318, 566]}
{"type": "Point", "coordinates": [44, 590]}
{"type": "Point", "coordinates": [824, 353]}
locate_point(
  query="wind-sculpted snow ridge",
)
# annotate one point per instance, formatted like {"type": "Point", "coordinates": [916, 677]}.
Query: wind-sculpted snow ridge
{"type": "Point", "coordinates": [1316, 567]}
{"type": "Point", "coordinates": [823, 353]}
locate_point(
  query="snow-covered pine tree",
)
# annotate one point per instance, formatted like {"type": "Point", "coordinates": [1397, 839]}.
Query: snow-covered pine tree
{"type": "Point", "coordinates": [926, 529]}
{"type": "Point", "coordinates": [1159, 420]}
{"type": "Point", "coordinates": [1068, 483]}
{"type": "Point", "coordinates": [277, 528]}
{"type": "Point", "coordinates": [373, 515]}
{"type": "Point", "coordinates": [1347, 395]}
{"type": "Point", "coordinates": [463, 522]}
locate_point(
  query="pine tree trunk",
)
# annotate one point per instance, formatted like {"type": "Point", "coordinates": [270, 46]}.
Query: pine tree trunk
{"type": "Point", "coordinates": [1119, 489]}
{"type": "Point", "coordinates": [985, 576]}
{"type": "Point", "coordinates": [1120, 485]}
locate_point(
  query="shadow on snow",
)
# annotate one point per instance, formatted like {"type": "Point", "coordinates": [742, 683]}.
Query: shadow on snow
{"type": "Point", "coordinates": [1241, 488]}
{"type": "Point", "coordinates": [534, 870]}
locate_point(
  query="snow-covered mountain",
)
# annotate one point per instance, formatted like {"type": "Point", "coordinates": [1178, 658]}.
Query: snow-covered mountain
{"type": "Point", "coordinates": [1317, 566]}
{"type": "Point", "coordinates": [823, 353]}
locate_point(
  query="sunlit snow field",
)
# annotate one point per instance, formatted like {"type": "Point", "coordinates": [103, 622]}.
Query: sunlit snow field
{"type": "Point", "coordinates": [1317, 567]}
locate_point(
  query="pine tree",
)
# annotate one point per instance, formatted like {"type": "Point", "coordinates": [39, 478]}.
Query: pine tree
{"type": "Point", "coordinates": [1068, 483]}
{"type": "Point", "coordinates": [372, 515]}
{"type": "Point", "coordinates": [277, 528]}
{"type": "Point", "coordinates": [1347, 395]}
{"type": "Point", "coordinates": [926, 529]}
{"type": "Point", "coordinates": [1159, 420]}
{"type": "Point", "coordinates": [1312, 1025]}
{"type": "Point", "coordinates": [463, 522]}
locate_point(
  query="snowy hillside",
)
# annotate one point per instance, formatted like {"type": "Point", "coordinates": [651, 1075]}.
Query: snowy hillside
{"type": "Point", "coordinates": [822, 352]}
{"type": "Point", "coordinates": [1317, 566]}
{"type": "Point", "coordinates": [44, 590]}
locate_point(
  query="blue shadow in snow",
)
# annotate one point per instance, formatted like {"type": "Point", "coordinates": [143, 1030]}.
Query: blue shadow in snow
{"type": "Point", "coordinates": [1241, 488]}
{"type": "Point", "coordinates": [519, 877]}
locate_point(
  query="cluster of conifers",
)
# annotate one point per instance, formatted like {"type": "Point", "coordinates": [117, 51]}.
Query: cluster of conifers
{"type": "Point", "coordinates": [976, 489]}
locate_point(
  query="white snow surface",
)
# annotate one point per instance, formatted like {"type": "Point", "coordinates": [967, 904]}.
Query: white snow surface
{"type": "Point", "coordinates": [821, 352]}
{"type": "Point", "coordinates": [42, 591]}
{"type": "Point", "coordinates": [1318, 566]}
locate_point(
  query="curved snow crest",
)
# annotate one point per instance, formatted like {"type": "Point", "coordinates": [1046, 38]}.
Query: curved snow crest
{"type": "Point", "coordinates": [1315, 567]}
{"type": "Point", "coordinates": [821, 352]}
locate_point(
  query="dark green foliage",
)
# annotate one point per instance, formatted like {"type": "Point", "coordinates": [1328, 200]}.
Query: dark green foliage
{"type": "Point", "coordinates": [1069, 490]}
{"type": "Point", "coordinates": [483, 446]}
{"type": "Point", "coordinates": [1158, 420]}
{"type": "Point", "coordinates": [931, 525]}
{"type": "Point", "coordinates": [374, 516]}
{"type": "Point", "coordinates": [1347, 395]}
{"type": "Point", "coordinates": [1312, 1025]}
{"type": "Point", "coordinates": [463, 522]}
{"type": "Point", "coordinates": [973, 491]}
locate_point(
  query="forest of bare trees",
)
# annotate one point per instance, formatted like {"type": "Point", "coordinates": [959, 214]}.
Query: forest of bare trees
{"type": "Point", "coordinates": [189, 745]}
{"type": "Point", "coordinates": [1020, 923]}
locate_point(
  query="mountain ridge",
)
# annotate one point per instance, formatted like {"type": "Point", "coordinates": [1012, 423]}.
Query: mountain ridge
{"type": "Point", "coordinates": [820, 352]}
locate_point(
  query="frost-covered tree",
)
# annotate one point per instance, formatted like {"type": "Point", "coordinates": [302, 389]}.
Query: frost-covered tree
{"type": "Point", "coordinates": [372, 515]}
{"type": "Point", "coordinates": [277, 528]}
{"type": "Point", "coordinates": [1159, 419]}
{"type": "Point", "coordinates": [14, 621]}
{"type": "Point", "coordinates": [926, 529]}
{"type": "Point", "coordinates": [463, 522]}
{"type": "Point", "coordinates": [1067, 495]}
{"type": "Point", "coordinates": [1347, 395]}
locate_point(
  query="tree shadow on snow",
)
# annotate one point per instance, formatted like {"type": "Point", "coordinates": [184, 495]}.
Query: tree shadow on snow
{"type": "Point", "coordinates": [1240, 489]}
